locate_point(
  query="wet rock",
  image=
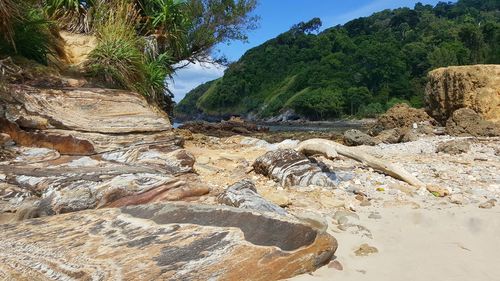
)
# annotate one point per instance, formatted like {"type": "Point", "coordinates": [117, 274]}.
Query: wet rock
{"type": "Point", "coordinates": [291, 168]}
{"type": "Point", "coordinates": [243, 195]}
{"type": "Point", "coordinates": [223, 128]}
{"type": "Point", "coordinates": [365, 250]}
{"type": "Point", "coordinates": [466, 122]}
{"type": "Point", "coordinates": [454, 147]}
{"type": "Point", "coordinates": [355, 137]}
{"type": "Point", "coordinates": [476, 87]}
{"type": "Point", "coordinates": [162, 242]}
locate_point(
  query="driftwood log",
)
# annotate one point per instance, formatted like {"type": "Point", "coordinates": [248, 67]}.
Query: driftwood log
{"type": "Point", "coordinates": [330, 148]}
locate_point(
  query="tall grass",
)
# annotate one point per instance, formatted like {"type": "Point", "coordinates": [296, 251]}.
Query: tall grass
{"type": "Point", "coordinates": [28, 33]}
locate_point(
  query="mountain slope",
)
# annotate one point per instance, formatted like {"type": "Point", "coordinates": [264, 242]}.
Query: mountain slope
{"type": "Point", "coordinates": [361, 68]}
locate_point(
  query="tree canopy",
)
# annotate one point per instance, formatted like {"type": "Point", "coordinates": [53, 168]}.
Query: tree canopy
{"type": "Point", "coordinates": [364, 66]}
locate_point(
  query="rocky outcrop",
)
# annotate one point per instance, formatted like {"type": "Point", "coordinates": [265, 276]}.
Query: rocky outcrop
{"type": "Point", "coordinates": [466, 122]}
{"type": "Point", "coordinates": [476, 87]}
{"type": "Point", "coordinates": [162, 242]}
{"type": "Point", "coordinates": [243, 195]}
{"type": "Point", "coordinates": [235, 126]}
{"type": "Point", "coordinates": [454, 147]}
{"type": "Point", "coordinates": [355, 137]}
{"type": "Point", "coordinates": [80, 149]}
{"type": "Point", "coordinates": [291, 168]}
{"type": "Point", "coordinates": [401, 116]}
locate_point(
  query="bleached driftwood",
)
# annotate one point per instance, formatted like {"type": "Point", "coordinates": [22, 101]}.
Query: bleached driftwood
{"type": "Point", "coordinates": [331, 148]}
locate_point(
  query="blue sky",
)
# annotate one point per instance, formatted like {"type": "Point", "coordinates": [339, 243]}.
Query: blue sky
{"type": "Point", "coordinates": [276, 17]}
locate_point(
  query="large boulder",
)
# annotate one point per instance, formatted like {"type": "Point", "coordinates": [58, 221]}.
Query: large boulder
{"type": "Point", "coordinates": [292, 168]}
{"type": "Point", "coordinates": [355, 137]}
{"type": "Point", "coordinates": [476, 87]}
{"type": "Point", "coordinates": [401, 116]}
{"type": "Point", "coordinates": [88, 148]}
{"type": "Point", "coordinates": [162, 242]}
{"type": "Point", "coordinates": [466, 122]}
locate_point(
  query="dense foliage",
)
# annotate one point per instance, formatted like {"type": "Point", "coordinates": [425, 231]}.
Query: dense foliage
{"type": "Point", "coordinates": [139, 42]}
{"type": "Point", "coordinates": [360, 68]}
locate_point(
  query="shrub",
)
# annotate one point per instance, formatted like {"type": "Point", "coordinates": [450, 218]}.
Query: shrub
{"type": "Point", "coordinates": [28, 33]}
{"type": "Point", "coordinates": [317, 104]}
{"type": "Point", "coordinates": [117, 59]}
{"type": "Point", "coordinates": [370, 110]}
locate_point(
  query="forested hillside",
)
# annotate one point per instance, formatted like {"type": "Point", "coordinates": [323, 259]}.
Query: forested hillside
{"type": "Point", "coordinates": [360, 68]}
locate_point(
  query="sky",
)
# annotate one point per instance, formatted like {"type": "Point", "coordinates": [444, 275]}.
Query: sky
{"type": "Point", "coordinates": [276, 17]}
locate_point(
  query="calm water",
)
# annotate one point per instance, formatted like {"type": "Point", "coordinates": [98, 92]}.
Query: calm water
{"type": "Point", "coordinates": [332, 126]}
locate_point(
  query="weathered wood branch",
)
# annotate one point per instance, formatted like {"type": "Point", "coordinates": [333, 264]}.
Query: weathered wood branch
{"type": "Point", "coordinates": [327, 148]}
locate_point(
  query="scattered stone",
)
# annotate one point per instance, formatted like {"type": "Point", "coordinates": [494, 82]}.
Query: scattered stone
{"type": "Point", "coordinates": [243, 195]}
{"type": "Point", "coordinates": [488, 204]}
{"type": "Point", "coordinates": [365, 203]}
{"type": "Point", "coordinates": [458, 199]}
{"type": "Point", "coordinates": [355, 137]}
{"type": "Point", "coordinates": [375, 216]}
{"type": "Point", "coordinates": [203, 160]}
{"type": "Point", "coordinates": [437, 190]}
{"type": "Point", "coordinates": [336, 265]}
{"type": "Point", "coordinates": [466, 122]}
{"type": "Point", "coordinates": [342, 217]}
{"type": "Point", "coordinates": [454, 147]}
{"type": "Point", "coordinates": [365, 250]}
{"type": "Point", "coordinates": [291, 168]}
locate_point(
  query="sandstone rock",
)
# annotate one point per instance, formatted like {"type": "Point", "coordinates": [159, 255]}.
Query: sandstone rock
{"type": "Point", "coordinates": [162, 242]}
{"type": "Point", "coordinates": [88, 110]}
{"type": "Point", "coordinates": [243, 195]}
{"type": "Point", "coordinates": [365, 250]}
{"type": "Point", "coordinates": [355, 137]}
{"type": "Point", "coordinates": [488, 204]}
{"type": "Point", "coordinates": [476, 87]}
{"type": "Point", "coordinates": [454, 147]}
{"type": "Point", "coordinates": [390, 136]}
{"type": "Point", "coordinates": [291, 168]}
{"type": "Point", "coordinates": [400, 116]}
{"type": "Point", "coordinates": [466, 122]}
{"type": "Point", "coordinates": [98, 148]}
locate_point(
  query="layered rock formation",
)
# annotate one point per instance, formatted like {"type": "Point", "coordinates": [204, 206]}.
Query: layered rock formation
{"type": "Point", "coordinates": [291, 168]}
{"type": "Point", "coordinates": [161, 242]}
{"type": "Point", "coordinates": [80, 149]}
{"type": "Point", "coordinates": [243, 195]}
{"type": "Point", "coordinates": [476, 87]}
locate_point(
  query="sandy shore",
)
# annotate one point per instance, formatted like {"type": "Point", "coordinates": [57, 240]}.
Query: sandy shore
{"type": "Point", "coordinates": [417, 236]}
{"type": "Point", "coordinates": [453, 243]}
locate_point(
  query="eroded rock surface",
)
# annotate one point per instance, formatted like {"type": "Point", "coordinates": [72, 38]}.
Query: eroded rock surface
{"type": "Point", "coordinates": [162, 242]}
{"type": "Point", "coordinates": [80, 149]}
{"type": "Point", "coordinates": [401, 116]}
{"type": "Point", "coordinates": [466, 122]}
{"type": "Point", "coordinates": [243, 195]}
{"type": "Point", "coordinates": [476, 87]}
{"type": "Point", "coordinates": [291, 168]}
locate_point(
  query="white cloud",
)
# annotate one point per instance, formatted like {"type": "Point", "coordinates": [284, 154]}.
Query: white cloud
{"type": "Point", "coordinates": [372, 7]}
{"type": "Point", "coordinates": [192, 76]}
